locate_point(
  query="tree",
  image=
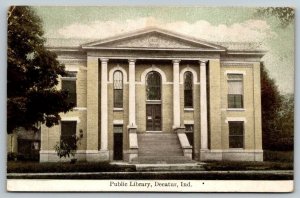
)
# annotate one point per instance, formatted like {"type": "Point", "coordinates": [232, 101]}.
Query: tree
{"type": "Point", "coordinates": [32, 74]}
{"type": "Point", "coordinates": [277, 115]}
{"type": "Point", "coordinates": [271, 103]}
{"type": "Point", "coordinates": [285, 15]}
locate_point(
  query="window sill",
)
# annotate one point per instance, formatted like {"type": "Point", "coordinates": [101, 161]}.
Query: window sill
{"type": "Point", "coordinates": [118, 109]}
{"type": "Point", "coordinates": [188, 109]}
{"type": "Point", "coordinates": [153, 102]}
{"type": "Point", "coordinates": [236, 109]}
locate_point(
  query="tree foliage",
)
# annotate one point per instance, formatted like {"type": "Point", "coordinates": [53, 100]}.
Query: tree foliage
{"type": "Point", "coordinates": [32, 74]}
{"type": "Point", "coordinates": [277, 115]}
{"type": "Point", "coordinates": [286, 15]}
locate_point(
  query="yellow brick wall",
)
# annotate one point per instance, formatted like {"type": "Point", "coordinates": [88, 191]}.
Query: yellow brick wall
{"type": "Point", "coordinates": [215, 104]}
{"type": "Point", "coordinates": [251, 112]}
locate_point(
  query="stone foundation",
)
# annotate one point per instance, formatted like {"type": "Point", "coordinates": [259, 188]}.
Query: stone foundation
{"type": "Point", "coordinates": [231, 155]}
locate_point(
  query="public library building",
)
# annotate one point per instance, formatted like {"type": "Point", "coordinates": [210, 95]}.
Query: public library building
{"type": "Point", "coordinates": [154, 96]}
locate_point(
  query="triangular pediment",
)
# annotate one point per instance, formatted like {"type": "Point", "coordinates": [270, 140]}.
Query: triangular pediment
{"type": "Point", "coordinates": [152, 39]}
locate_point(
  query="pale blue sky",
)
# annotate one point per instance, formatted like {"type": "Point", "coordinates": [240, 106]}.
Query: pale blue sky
{"type": "Point", "coordinates": [209, 23]}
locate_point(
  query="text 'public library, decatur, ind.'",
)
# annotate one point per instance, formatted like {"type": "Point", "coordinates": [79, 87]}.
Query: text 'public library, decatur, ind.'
{"type": "Point", "coordinates": [154, 96]}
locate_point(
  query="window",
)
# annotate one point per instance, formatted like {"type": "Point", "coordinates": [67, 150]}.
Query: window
{"type": "Point", "coordinates": [236, 134]}
{"type": "Point", "coordinates": [153, 85]}
{"type": "Point", "coordinates": [69, 84]}
{"type": "Point", "coordinates": [118, 89]}
{"type": "Point", "coordinates": [235, 91]}
{"type": "Point", "coordinates": [68, 133]}
{"type": "Point", "coordinates": [188, 90]}
{"type": "Point", "coordinates": [118, 142]}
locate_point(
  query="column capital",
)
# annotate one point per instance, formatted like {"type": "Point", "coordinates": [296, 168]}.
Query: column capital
{"type": "Point", "coordinates": [176, 60]}
{"type": "Point", "coordinates": [104, 59]}
{"type": "Point", "coordinates": [132, 60]}
{"type": "Point", "coordinates": [203, 61]}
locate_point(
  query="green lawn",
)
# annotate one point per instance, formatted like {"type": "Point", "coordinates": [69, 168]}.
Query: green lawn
{"type": "Point", "coordinates": [60, 167]}
{"type": "Point", "coordinates": [233, 165]}
{"type": "Point", "coordinates": [35, 167]}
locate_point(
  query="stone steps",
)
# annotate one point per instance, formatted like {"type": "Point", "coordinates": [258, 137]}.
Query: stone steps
{"type": "Point", "coordinates": [169, 167]}
{"type": "Point", "coordinates": [160, 148]}
{"type": "Point", "coordinates": [163, 160]}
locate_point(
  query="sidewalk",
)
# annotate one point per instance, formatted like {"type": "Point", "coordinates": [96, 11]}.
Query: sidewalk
{"type": "Point", "coordinates": [227, 175]}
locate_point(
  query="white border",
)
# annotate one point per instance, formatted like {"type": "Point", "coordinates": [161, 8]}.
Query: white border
{"type": "Point", "coordinates": [124, 185]}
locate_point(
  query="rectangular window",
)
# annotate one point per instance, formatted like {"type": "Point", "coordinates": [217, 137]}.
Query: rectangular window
{"type": "Point", "coordinates": [118, 98]}
{"type": "Point", "coordinates": [68, 133]}
{"type": "Point", "coordinates": [236, 134]}
{"type": "Point", "coordinates": [235, 91]}
{"type": "Point", "coordinates": [69, 84]}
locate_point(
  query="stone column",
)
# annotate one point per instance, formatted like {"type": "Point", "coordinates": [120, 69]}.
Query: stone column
{"type": "Point", "coordinates": [133, 141]}
{"type": "Point", "coordinates": [104, 111]}
{"type": "Point", "coordinates": [132, 118]}
{"type": "Point", "coordinates": [92, 153]}
{"type": "Point", "coordinates": [203, 105]}
{"type": "Point", "coordinates": [176, 95]}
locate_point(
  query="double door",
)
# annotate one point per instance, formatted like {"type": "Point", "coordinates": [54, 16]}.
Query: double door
{"type": "Point", "coordinates": [153, 117]}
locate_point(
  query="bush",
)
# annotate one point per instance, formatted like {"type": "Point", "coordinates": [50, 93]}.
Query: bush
{"type": "Point", "coordinates": [282, 144]}
{"type": "Point", "coordinates": [279, 156]}
{"type": "Point", "coordinates": [11, 156]}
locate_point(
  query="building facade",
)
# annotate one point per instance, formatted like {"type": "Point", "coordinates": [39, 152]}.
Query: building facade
{"type": "Point", "coordinates": [132, 91]}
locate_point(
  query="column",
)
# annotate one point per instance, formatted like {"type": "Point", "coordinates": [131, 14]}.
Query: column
{"type": "Point", "coordinates": [176, 94]}
{"type": "Point", "coordinates": [132, 119]}
{"type": "Point", "coordinates": [203, 105]}
{"type": "Point", "coordinates": [92, 105]}
{"type": "Point", "coordinates": [104, 129]}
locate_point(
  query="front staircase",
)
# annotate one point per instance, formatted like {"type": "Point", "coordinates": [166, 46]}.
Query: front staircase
{"type": "Point", "coordinates": [160, 148]}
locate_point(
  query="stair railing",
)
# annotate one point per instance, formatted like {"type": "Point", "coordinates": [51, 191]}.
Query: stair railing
{"type": "Point", "coordinates": [184, 142]}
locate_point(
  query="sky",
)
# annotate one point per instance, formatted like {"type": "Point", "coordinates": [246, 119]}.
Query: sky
{"type": "Point", "coordinates": [214, 24]}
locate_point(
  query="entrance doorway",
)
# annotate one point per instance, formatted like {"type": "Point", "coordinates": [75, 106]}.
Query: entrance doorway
{"type": "Point", "coordinates": [153, 101]}
{"type": "Point", "coordinates": [153, 117]}
{"type": "Point", "coordinates": [118, 142]}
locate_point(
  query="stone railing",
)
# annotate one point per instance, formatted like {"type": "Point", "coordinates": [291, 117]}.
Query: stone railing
{"type": "Point", "coordinates": [184, 142]}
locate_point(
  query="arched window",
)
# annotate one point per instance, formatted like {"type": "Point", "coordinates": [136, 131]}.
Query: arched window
{"type": "Point", "coordinates": [153, 86]}
{"type": "Point", "coordinates": [118, 89]}
{"type": "Point", "coordinates": [188, 89]}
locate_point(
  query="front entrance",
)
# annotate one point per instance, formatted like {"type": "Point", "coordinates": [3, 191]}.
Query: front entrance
{"type": "Point", "coordinates": [153, 102]}
{"type": "Point", "coordinates": [153, 117]}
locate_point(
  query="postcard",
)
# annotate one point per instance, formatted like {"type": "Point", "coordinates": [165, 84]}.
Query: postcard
{"type": "Point", "coordinates": [150, 99]}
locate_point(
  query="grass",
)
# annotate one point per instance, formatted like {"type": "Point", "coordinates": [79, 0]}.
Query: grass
{"type": "Point", "coordinates": [130, 171]}
{"type": "Point", "coordinates": [234, 165]}
{"type": "Point", "coordinates": [61, 167]}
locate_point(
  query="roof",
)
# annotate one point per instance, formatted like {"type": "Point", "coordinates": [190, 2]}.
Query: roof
{"type": "Point", "coordinates": [162, 37]}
